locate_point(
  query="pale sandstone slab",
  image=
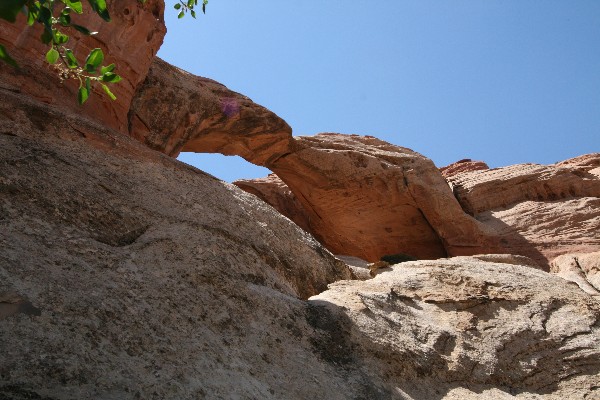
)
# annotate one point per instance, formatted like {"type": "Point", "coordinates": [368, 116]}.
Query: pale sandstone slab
{"type": "Point", "coordinates": [510, 331]}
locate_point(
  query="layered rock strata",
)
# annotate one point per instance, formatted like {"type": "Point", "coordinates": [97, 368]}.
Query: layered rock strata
{"type": "Point", "coordinates": [511, 331]}
{"type": "Point", "coordinates": [540, 211]}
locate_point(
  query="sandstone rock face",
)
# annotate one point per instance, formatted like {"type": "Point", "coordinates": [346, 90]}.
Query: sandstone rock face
{"type": "Point", "coordinates": [540, 211]}
{"type": "Point", "coordinates": [367, 198]}
{"type": "Point", "coordinates": [466, 165]}
{"type": "Point", "coordinates": [273, 191]}
{"type": "Point", "coordinates": [175, 111]}
{"type": "Point", "coordinates": [130, 40]}
{"type": "Point", "coordinates": [510, 331]}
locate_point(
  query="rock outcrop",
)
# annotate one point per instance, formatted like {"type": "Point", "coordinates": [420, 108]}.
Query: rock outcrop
{"type": "Point", "coordinates": [466, 165]}
{"type": "Point", "coordinates": [130, 40]}
{"type": "Point", "coordinates": [540, 211]}
{"type": "Point", "coordinates": [126, 274]}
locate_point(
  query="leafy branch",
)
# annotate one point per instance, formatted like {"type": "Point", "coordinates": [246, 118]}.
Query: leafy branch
{"type": "Point", "coordinates": [188, 6]}
{"type": "Point", "coordinates": [54, 15]}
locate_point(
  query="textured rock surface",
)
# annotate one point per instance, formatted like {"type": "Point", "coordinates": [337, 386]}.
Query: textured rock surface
{"type": "Point", "coordinates": [367, 198]}
{"type": "Point", "coordinates": [540, 211]}
{"type": "Point", "coordinates": [510, 331]}
{"type": "Point", "coordinates": [126, 274]}
{"type": "Point", "coordinates": [466, 165]}
{"type": "Point", "coordinates": [273, 191]}
{"type": "Point", "coordinates": [582, 269]}
{"type": "Point", "coordinates": [130, 40]}
{"type": "Point", "coordinates": [176, 111]}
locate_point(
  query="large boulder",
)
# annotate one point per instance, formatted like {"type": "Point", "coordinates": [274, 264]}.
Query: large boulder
{"type": "Point", "coordinates": [130, 40]}
{"type": "Point", "coordinates": [468, 329]}
{"type": "Point", "coordinates": [540, 211]}
{"type": "Point", "coordinates": [127, 274]}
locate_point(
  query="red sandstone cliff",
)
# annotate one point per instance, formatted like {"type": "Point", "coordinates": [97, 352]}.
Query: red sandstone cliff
{"type": "Point", "coordinates": [130, 40]}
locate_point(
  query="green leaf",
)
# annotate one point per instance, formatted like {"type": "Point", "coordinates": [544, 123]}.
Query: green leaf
{"type": "Point", "coordinates": [100, 7]}
{"type": "Point", "coordinates": [190, 3]}
{"type": "Point", "coordinates": [181, 14]}
{"type": "Point", "coordinates": [193, 13]}
{"type": "Point", "coordinates": [94, 60]}
{"type": "Point", "coordinates": [83, 29]}
{"type": "Point", "coordinates": [71, 59]}
{"type": "Point", "coordinates": [83, 95]}
{"type": "Point", "coordinates": [4, 56]}
{"type": "Point", "coordinates": [52, 56]}
{"type": "Point", "coordinates": [33, 13]}
{"type": "Point", "coordinates": [108, 92]}
{"type": "Point", "coordinates": [64, 20]}
{"type": "Point", "coordinates": [110, 77]}
{"type": "Point", "coordinates": [75, 5]}
{"type": "Point", "coordinates": [177, 6]}
{"type": "Point", "coordinates": [10, 8]}
{"type": "Point", "coordinates": [108, 68]}
{"type": "Point", "coordinates": [45, 16]}
{"type": "Point", "coordinates": [59, 37]}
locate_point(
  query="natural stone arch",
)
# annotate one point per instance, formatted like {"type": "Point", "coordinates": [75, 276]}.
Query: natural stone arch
{"type": "Point", "coordinates": [362, 196]}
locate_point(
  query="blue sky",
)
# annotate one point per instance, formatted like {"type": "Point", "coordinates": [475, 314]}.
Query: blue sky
{"type": "Point", "coordinates": [503, 81]}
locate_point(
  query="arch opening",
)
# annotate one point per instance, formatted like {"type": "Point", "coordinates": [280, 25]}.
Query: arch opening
{"type": "Point", "coordinates": [226, 168]}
